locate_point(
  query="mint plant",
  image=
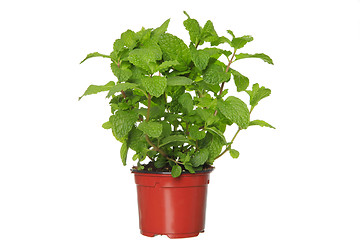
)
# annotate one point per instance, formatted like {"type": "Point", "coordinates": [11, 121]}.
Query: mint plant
{"type": "Point", "coordinates": [169, 101]}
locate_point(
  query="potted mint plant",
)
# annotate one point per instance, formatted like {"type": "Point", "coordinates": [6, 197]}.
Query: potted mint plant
{"type": "Point", "coordinates": [169, 105]}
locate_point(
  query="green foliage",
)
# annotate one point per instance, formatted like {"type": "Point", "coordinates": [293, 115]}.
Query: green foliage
{"type": "Point", "coordinates": [168, 99]}
{"type": "Point", "coordinates": [260, 123]}
{"type": "Point", "coordinates": [234, 153]}
{"type": "Point", "coordinates": [176, 171]}
{"type": "Point", "coordinates": [153, 129]}
{"type": "Point", "coordinates": [235, 110]}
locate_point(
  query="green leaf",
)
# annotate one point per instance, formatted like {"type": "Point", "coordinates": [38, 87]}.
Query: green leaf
{"type": "Point", "coordinates": [176, 171]}
{"type": "Point", "coordinates": [175, 140]}
{"type": "Point", "coordinates": [153, 129]}
{"type": "Point", "coordinates": [107, 125]}
{"type": "Point", "coordinates": [179, 81]}
{"type": "Point", "coordinates": [208, 33]}
{"type": "Point", "coordinates": [174, 48]}
{"type": "Point", "coordinates": [123, 152]}
{"type": "Point", "coordinates": [143, 58]}
{"type": "Point", "coordinates": [136, 140]}
{"type": "Point", "coordinates": [93, 89]}
{"type": "Point", "coordinates": [257, 94]}
{"type": "Point", "coordinates": [240, 42]}
{"type": "Point", "coordinates": [235, 110]}
{"type": "Point", "coordinates": [214, 146]}
{"type": "Point", "coordinates": [164, 66]}
{"type": "Point", "coordinates": [154, 85]}
{"type": "Point", "coordinates": [262, 56]}
{"type": "Point", "coordinates": [122, 122]}
{"type": "Point", "coordinates": [195, 133]}
{"type": "Point", "coordinates": [121, 87]}
{"type": "Point", "coordinates": [160, 162]}
{"type": "Point", "coordinates": [160, 30]}
{"type": "Point", "coordinates": [119, 46]}
{"type": "Point", "coordinates": [151, 45]}
{"type": "Point", "coordinates": [188, 166]}
{"type": "Point", "coordinates": [200, 57]}
{"type": "Point", "coordinates": [234, 153]}
{"type": "Point", "coordinates": [143, 35]}
{"type": "Point", "coordinates": [215, 74]}
{"type": "Point", "coordinates": [123, 74]}
{"type": "Point", "coordinates": [260, 123]}
{"type": "Point", "coordinates": [186, 101]}
{"type": "Point", "coordinates": [129, 38]}
{"type": "Point", "coordinates": [240, 80]}
{"type": "Point", "coordinates": [194, 30]}
{"type": "Point", "coordinates": [231, 33]}
{"type": "Point", "coordinates": [94, 54]}
{"type": "Point", "coordinates": [215, 131]}
{"type": "Point", "coordinates": [200, 157]}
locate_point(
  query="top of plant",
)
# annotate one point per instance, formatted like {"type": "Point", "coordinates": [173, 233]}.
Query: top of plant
{"type": "Point", "coordinates": [168, 102]}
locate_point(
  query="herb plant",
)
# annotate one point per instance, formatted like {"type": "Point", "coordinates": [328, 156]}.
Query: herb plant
{"type": "Point", "coordinates": [168, 103]}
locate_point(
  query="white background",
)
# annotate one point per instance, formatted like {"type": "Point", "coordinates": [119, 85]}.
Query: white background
{"type": "Point", "coordinates": [61, 175]}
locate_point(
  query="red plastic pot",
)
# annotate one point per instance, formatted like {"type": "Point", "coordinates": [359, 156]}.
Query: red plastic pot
{"type": "Point", "coordinates": [172, 206]}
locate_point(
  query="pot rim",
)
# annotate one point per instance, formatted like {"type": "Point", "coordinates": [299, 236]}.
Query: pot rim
{"type": "Point", "coordinates": [169, 173]}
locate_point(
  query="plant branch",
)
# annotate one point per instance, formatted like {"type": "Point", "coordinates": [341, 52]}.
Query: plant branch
{"type": "Point", "coordinates": [229, 146]}
{"type": "Point", "coordinates": [159, 150]}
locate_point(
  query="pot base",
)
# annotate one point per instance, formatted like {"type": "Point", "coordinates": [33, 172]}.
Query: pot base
{"type": "Point", "coordinates": [172, 235]}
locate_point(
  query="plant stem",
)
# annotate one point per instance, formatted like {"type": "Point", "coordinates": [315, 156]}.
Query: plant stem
{"type": "Point", "coordinates": [159, 150]}
{"type": "Point", "coordinates": [229, 146]}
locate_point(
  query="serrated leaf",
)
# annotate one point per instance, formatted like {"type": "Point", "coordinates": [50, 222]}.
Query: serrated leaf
{"type": "Point", "coordinates": [215, 74]}
{"type": "Point", "coordinates": [262, 56]}
{"type": "Point", "coordinates": [119, 46]}
{"type": "Point", "coordinates": [123, 74]}
{"type": "Point", "coordinates": [143, 58]}
{"type": "Point", "coordinates": [107, 125]}
{"type": "Point", "coordinates": [129, 38]}
{"type": "Point", "coordinates": [154, 85]}
{"type": "Point", "coordinates": [199, 57]}
{"type": "Point", "coordinates": [164, 66]}
{"type": "Point", "coordinates": [257, 94]}
{"type": "Point", "coordinates": [186, 101]}
{"type": "Point", "coordinates": [121, 87]}
{"type": "Point", "coordinates": [176, 171]}
{"type": "Point", "coordinates": [179, 81]}
{"type": "Point", "coordinates": [136, 140]}
{"type": "Point", "coordinates": [240, 42]}
{"type": "Point", "coordinates": [95, 54]}
{"type": "Point", "coordinates": [174, 48]}
{"type": "Point", "coordinates": [143, 35]}
{"type": "Point", "coordinates": [240, 80]}
{"type": "Point", "coordinates": [160, 162]}
{"type": "Point", "coordinates": [208, 33]}
{"type": "Point", "coordinates": [93, 89]}
{"type": "Point", "coordinates": [234, 153]}
{"type": "Point", "coordinates": [123, 152]}
{"type": "Point", "coordinates": [220, 40]}
{"type": "Point", "coordinates": [151, 45]}
{"type": "Point", "coordinates": [152, 129]}
{"type": "Point", "coordinates": [215, 131]}
{"type": "Point", "coordinates": [160, 30]}
{"type": "Point", "coordinates": [188, 166]}
{"type": "Point", "coordinates": [214, 147]}
{"type": "Point", "coordinates": [194, 29]}
{"type": "Point", "coordinates": [260, 123]}
{"type": "Point", "coordinates": [174, 140]}
{"type": "Point", "coordinates": [195, 133]}
{"type": "Point", "coordinates": [200, 157]}
{"type": "Point", "coordinates": [122, 122]}
{"type": "Point", "coordinates": [235, 110]}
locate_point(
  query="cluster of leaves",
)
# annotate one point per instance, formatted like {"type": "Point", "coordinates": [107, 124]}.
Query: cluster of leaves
{"type": "Point", "coordinates": [168, 101]}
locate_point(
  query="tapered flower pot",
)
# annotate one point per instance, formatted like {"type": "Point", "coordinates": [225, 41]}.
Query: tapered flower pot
{"type": "Point", "coordinates": [172, 206]}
